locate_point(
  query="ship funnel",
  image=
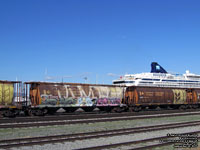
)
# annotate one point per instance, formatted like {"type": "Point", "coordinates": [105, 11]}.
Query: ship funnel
{"type": "Point", "coordinates": [156, 68]}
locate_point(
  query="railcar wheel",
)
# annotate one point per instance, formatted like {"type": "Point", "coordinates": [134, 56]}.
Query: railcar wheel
{"type": "Point", "coordinates": [182, 107]}
{"type": "Point", "coordinates": [9, 113]}
{"type": "Point", "coordinates": [194, 106]}
{"type": "Point", "coordinates": [187, 106]}
{"type": "Point", "coordinates": [137, 109]}
{"type": "Point", "coordinates": [131, 109]}
{"type": "Point", "coordinates": [118, 109]}
{"type": "Point", "coordinates": [39, 112]}
{"type": "Point", "coordinates": [28, 112]}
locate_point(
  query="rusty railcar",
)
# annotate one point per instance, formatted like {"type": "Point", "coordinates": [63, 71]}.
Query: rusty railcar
{"type": "Point", "coordinates": [141, 97]}
{"type": "Point", "coordinates": [50, 96]}
{"type": "Point", "coordinates": [10, 97]}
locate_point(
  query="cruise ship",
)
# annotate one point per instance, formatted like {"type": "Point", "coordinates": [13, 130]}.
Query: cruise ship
{"type": "Point", "coordinates": [159, 77]}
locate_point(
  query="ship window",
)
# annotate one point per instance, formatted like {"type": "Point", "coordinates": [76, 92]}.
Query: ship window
{"type": "Point", "coordinates": [151, 79]}
{"type": "Point", "coordinates": [178, 81]}
{"type": "Point", "coordinates": [129, 81]}
{"type": "Point", "coordinates": [118, 82]}
{"type": "Point", "coordinates": [146, 82]}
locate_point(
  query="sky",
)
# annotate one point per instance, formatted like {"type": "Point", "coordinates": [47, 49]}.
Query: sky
{"type": "Point", "coordinates": [69, 40]}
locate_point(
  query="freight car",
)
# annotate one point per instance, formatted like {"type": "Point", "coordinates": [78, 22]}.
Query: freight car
{"type": "Point", "coordinates": [10, 99]}
{"type": "Point", "coordinates": [137, 98]}
{"type": "Point", "coordinates": [40, 98]}
{"type": "Point", "coordinates": [48, 97]}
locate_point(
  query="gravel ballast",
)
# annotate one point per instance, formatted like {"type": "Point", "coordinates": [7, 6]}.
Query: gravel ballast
{"type": "Point", "coordinates": [110, 140]}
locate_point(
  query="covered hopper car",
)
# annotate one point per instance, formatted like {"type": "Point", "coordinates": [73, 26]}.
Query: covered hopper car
{"type": "Point", "coordinates": [48, 97]}
{"type": "Point", "coordinates": [137, 98]}
{"type": "Point", "coordinates": [10, 101]}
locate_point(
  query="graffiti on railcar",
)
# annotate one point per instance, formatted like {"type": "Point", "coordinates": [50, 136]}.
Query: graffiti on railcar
{"type": "Point", "coordinates": [109, 96]}
{"type": "Point", "coordinates": [179, 96]}
{"type": "Point", "coordinates": [108, 101]}
{"type": "Point", "coordinates": [6, 94]}
{"type": "Point", "coordinates": [80, 95]}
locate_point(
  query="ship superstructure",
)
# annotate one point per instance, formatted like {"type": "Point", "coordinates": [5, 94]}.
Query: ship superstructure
{"type": "Point", "coordinates": [159, 77]}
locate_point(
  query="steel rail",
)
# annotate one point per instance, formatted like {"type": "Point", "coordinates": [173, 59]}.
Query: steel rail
{"type": "Point", "coordinates": [137, 142]}
{"type": "Point", "coordinates": [90, 135]}
{"type": "Point", "coordinates": [92, 120]}
{"type": "Point", "coordinates": [77, 115]}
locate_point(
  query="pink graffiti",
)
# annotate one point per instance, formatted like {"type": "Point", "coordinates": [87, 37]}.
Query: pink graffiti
{"type": "Point", "coordinates": [108, 102]}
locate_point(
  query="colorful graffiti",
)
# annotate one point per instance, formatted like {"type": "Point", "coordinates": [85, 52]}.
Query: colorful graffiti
{"type": "Point", "coordinates": [6, 94]}
{"type": "Point", "coordinates": [179, 96]}
{"type": "Point", "coordinates": [108, 102]}
{"type": "Point", "coordinates": [78, 95]}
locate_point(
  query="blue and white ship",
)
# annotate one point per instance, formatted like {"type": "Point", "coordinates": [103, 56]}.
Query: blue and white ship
{"type": "Point", "coordinates": [159, 77]}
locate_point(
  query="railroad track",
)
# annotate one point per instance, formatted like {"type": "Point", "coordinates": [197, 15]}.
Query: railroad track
{"type": "Point", "coordinates": [93, 135]}
{"type": "Point", "coordinates": [92, 120]}
{"type": "Point", "coordinates": [135, 145]}
{"type": "Point", "coordinates": [84, 115]}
